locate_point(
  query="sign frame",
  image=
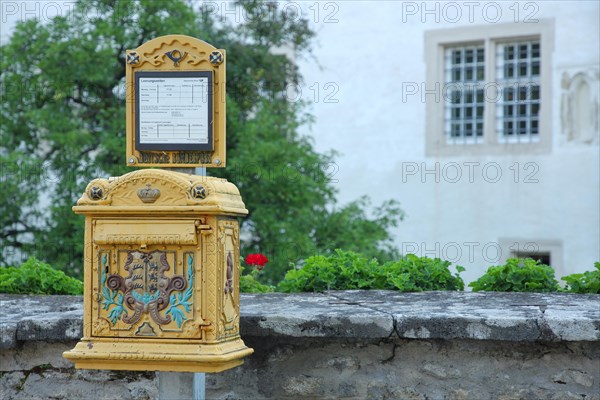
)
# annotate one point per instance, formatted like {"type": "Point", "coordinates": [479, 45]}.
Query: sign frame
{"type": "Point", "coordinates": [170, 56]}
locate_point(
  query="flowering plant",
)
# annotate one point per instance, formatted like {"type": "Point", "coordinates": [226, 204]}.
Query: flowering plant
{"type": "Point", "coordinates": [258, 260]}
{"type": "Point", "coordinates": [249, 283]}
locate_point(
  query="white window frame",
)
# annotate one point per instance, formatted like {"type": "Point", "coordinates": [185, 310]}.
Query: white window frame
{"type": "Point", "coordinates": [437, 41]}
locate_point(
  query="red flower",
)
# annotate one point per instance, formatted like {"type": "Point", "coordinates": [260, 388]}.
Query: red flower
{"type": "Point", "coordinates": [258, 260]}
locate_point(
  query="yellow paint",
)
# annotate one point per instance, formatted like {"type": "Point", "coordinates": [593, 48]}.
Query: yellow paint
{"type": "Point", "coordinates": [152, 57]}
{"type": "Point", "coordinates": [164, 219]}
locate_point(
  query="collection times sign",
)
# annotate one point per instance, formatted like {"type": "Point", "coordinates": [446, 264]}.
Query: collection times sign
{"type": "Point", "coordinates": [176, 103]}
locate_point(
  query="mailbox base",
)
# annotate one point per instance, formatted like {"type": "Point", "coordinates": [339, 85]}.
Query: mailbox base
{"type": "Point", "coordinates": [152, 356]}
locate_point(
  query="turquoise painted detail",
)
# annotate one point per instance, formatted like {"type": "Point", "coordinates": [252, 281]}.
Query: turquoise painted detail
{"type": "Point", "coordinates": [111, 297]}
{"type": "Point", "coordinates": [146, 297]}
{"type": "Point", "coordinates": [181, 304]}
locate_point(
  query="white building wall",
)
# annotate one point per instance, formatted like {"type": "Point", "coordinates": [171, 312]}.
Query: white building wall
{"type": "Point", "coordinates": [375, 48]}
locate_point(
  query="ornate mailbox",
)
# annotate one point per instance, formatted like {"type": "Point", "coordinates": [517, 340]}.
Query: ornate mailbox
{"type": "Point", "coordinates": [161, 273]}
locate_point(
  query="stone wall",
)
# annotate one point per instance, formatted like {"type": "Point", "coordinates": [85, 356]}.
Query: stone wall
{"type": "Point", "coordinates": [341, 345]}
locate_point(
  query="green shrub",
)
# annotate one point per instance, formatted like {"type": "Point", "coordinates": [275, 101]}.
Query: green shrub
{"type": "Point", "coordinates": [517, 275]}
{"type": "Point", "coordinates": [250, 285]}
{"type": "Point", "coordinates": [36, 277]}
{"type": "Point", "coordinates": [588, 282]}
{"type": "Point", "coordinates": [416, 274]}
{"type": "Point", "coordinates": [346, 270]}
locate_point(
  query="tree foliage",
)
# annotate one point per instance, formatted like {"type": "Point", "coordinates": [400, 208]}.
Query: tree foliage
{"type": "Point", "coordinates": [63, 124]}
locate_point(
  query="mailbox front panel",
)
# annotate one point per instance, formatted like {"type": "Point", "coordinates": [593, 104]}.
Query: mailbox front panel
{"type": "Point", "coordinates": [146, 278]}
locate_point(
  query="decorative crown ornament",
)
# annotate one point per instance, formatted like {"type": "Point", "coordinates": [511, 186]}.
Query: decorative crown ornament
{"type": "Point", "coordinates": [148, 195]}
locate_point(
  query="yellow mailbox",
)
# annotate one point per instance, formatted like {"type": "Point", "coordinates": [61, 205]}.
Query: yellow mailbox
{"type": "Point", "coordinates": [161, 273]}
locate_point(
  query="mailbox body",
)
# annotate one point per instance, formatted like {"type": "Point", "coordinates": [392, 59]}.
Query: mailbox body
{"type": "Point", "coordinates": [161, 274]}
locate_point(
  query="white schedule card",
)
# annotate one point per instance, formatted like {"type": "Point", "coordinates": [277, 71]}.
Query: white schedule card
{"type": "Point", "coordinates": [173, 110]}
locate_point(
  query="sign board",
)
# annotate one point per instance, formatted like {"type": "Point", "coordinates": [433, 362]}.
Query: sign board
{"type": "Point", "coordinates": [176, 103]}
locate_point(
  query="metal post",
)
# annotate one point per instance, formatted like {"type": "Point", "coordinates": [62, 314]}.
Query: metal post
{"type": "Point", "coordinates": [200, 377]}
{"type": "Point", "coordinates": [199, 386]}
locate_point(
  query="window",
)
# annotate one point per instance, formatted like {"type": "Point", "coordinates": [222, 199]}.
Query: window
{"type": "Point", "coordinates": [465, 78]}
{"type": "Point", "coordinates": [548, 251]}
{"type": "Point", "coordinates": [518, 73]}
{"type": "Point", "coordinates": [497, 89]}
{"type": "Point", "coordinates": [543, 257]}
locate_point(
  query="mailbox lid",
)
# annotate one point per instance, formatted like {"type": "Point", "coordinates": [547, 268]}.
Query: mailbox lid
{"type": "Point", "coordinates": [145, 232]}
{"type": "Point", "coordinates": [160, 193]}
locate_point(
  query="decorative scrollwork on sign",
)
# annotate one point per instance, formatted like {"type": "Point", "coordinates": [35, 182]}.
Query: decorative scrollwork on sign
{"type": "Point", "coordinates": [176, 56]}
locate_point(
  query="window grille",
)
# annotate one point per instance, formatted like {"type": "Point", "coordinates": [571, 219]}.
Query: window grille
{"type": "Point", "coordinates": [464, 94]}
{"type": "Point", "coordinates": [518, 108]}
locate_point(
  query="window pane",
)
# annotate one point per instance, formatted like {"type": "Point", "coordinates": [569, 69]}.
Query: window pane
{"type": "Point", "coordinates": [522, 110]}
{"type": "Point", "coordinates": [479, 96]}
{"type": "Point", "coordinates": [480, 55]}
{"type": "Point", "coordinates": [455, 96]}
{"type": "Point", "coordinates": [468, 129]}
{"type": "Point", "coordinates": [535, 68]}
{"type": "Point", "coordinates": [456, 75]}
{"type": "Point", "coordinates": [469, 56]}
{"type": "Point", "coordinates": [455, 130]}
{"type": "Point", "coordinates": [522, 69]}
{"type": "Point", "coordinates": [523, 93]}
{"type": "Point", "coordinates": [480, 73]}
{"type": "Point", "coordinates": [456, 59]}
{"type": "Point", "coordinates": [522, 127]}
{"type": "Point", "coordinates": [469, 97]}
{"type": "Point", "coordinates": [508, 128]}
{"type": "Point", "coordinates": [523, 51]}
{"type": "Point", "coordinates": [509, 53]}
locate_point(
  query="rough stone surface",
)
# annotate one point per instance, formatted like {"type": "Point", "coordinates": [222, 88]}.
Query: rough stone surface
{"type": "Point", "coordinates": [352, 314]}
{"type": "Point", "coordinates": [342, 345]}
{"type": "Point", "coordinates": [27, 318]}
